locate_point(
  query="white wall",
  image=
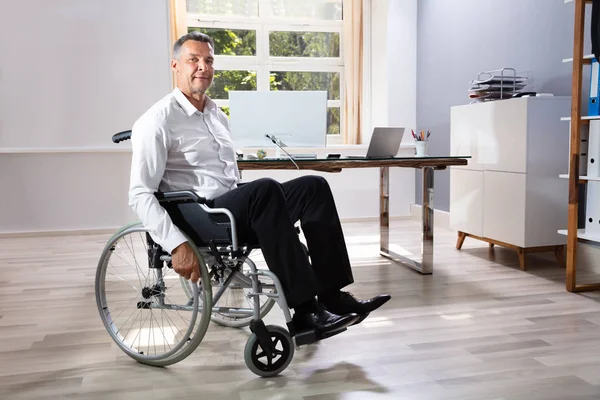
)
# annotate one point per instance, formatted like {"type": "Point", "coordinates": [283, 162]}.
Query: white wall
{"type": "Point", "coordinates": [393, 69]}
{"type": "Point", "coordinates": [86, 71]}
{"type": "Point", "coordinates": [78, 70]}
{"type": "Point", "coordinates": [402, 65]}
{"type": "Point", "coordinates": [64, 191]}
{"type": "Point", "coordinates": [393, 45]}
{"type": "Point", "coordinates": [74, 74]}
{"type": "Point", "coordinates": [379, 66]}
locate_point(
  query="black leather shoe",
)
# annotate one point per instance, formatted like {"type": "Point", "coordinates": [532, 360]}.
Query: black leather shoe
{"type": "Point", "coordinates": [323, 321]}
{"type": "Point", "coordinates": [347, 303]}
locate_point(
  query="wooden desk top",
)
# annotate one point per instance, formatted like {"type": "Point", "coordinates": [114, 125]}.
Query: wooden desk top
{"type": "Point", "coordinates": [336, 165]}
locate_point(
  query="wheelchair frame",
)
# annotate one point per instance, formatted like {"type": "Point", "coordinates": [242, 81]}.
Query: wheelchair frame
{"type": "Point", "coordinates": [237, 255]}
{"type": "Point", "coordinates": [265, 337]}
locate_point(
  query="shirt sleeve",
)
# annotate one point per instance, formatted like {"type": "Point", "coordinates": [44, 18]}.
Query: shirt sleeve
{"type": "Point", "coordinates": [150, 149]}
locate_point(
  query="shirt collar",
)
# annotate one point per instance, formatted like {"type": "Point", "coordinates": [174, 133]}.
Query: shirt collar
{"type": "Point", "coordinates": [188, 107]}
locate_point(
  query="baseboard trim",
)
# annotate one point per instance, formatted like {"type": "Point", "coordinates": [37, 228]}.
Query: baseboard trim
{"type": "Point", "coordinates": [66, 232]}
{"type": "Point", "coordinates": [441, 219]}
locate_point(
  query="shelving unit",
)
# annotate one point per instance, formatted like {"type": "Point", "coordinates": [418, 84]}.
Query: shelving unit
{"type": "Point", "coordinates": [575, 235]}
{"type": "Point", "coordinates": [587, 59]}
{"type": "Point", "coordinates": [582, 179]}
{"type": "Point", "coordinates": [584, 119]}
{"type": "Point", "coordinates": [582, 235]}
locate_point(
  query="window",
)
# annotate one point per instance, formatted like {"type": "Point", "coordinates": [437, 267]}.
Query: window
{"type": "Point", "coordinates": [274, 45]}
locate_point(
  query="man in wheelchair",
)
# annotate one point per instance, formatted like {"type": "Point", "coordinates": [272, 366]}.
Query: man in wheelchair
{"type": "Point", "coordinates": [183, 143]}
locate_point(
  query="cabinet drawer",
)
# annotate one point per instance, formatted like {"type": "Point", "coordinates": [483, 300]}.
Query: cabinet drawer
{"type": "Point", "coordinates": [504, 211]}
{"type": "Point", "coordinates": [494, 134]}
{"type": "Point", "coordinates": [466, 201]}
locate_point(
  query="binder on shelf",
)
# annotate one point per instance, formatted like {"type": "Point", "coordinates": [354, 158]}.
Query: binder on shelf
{"type": "Point", "coordinates": [594, 102]}
{"type": "Point", "coordinates": [593, 150]}
{"type": "Point", "coordinates": [592, 208]}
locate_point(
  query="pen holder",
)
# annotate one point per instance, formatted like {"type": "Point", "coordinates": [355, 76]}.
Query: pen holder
{"type": "Point", "coordinates": [421, 148]}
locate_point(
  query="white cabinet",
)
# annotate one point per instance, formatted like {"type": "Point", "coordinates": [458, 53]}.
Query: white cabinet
{"type": "Point", "coordinates": [510, 193]}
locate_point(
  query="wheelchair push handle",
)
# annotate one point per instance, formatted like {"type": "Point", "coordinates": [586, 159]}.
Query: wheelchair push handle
{"type": "Point", "coordinates": [121, 136]}
{"type": "Point", "coordinates": [179, 196]}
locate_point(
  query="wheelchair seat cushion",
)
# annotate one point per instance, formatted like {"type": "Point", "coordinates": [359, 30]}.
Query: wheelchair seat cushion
{"type": "Point", "coordinates": [200, 226]}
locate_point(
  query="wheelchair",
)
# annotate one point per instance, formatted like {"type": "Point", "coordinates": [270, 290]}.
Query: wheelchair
{"type": "Point", "coordinates": [159, 318]}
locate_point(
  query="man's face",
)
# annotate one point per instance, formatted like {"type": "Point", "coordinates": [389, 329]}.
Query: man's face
{"type": "Point", "coordinates": [194, 68]}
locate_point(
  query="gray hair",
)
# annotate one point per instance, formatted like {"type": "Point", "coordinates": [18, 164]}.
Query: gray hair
{"type": "Point", "coordinates": [193, 35]}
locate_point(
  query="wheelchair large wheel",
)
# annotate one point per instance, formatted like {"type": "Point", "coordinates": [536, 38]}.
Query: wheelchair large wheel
{"type": "Point", "coordinates": [256, 358]}
{"type": "Point", "coordinates": [141, 301]}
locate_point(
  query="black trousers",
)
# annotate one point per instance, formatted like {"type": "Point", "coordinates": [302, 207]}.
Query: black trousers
{"type": "Point", "coordinates": [265, 212]}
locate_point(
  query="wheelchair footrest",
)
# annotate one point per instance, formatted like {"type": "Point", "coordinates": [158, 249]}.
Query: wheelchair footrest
{"type": "Point", "coordinates": [306, 337]}
{"type": "Point", "coordinates": [312, 336]}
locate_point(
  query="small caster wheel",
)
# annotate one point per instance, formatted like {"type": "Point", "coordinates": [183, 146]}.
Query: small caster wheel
{"type": "Point", "coordinates": [258, 361]}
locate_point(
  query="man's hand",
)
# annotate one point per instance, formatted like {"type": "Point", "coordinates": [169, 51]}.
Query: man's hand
{"type": "Point", "coordinates": [185, 262]}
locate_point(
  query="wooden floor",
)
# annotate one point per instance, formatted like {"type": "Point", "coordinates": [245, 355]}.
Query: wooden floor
{"type": "Point", "coordinates": [478, 328]}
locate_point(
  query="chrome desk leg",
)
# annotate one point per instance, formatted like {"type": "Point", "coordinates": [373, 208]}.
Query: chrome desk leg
{"type": "Point", "coordinates": [427, 222]}
{"type": "Point", "coordinates": [425, 266]}
{"type": "Point", "coordinates": [384, 209]}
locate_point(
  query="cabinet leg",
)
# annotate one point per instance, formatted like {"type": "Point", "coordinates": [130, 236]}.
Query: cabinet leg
{"type": "Point", "coordinates": [559, 252]}
{"type": "Point", "coordinates": [522, 263]}
{"type": "Point", "coordinates": [491, 244]}
{"type": "Point", "coordinates": [461, 240]}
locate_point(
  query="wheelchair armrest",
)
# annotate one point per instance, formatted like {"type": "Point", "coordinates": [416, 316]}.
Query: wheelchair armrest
{"type": "Point", "coordinates": [188, 196]}
{"type": "Point", "coordinates": [179, 196]}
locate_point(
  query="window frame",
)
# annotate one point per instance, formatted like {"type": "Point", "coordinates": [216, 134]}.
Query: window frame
{"type": "Point", "coordinates": [263, 64]}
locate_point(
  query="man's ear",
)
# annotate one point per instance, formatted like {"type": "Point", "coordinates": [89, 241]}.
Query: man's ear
{"type": "Point", "coordinates": [174, 65]}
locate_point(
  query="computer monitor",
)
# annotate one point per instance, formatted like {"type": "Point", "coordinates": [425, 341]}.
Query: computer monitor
{"type": "Point", "coordinates": [297, 118]}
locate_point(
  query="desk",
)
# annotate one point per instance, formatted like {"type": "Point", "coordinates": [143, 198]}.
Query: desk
{"type": "Point", "coordinates": [426, 164]}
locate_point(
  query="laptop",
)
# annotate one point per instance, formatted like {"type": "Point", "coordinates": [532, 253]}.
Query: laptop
{"type": "Point", "coordinates": [384, 143]}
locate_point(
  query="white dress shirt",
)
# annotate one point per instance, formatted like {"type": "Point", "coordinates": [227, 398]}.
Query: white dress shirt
{"type": "Point", "coordinates": [177, 147]}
